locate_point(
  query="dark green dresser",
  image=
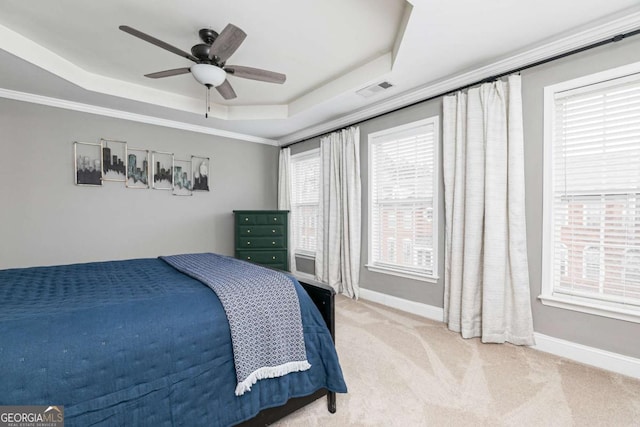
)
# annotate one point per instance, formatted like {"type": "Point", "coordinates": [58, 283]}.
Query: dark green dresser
{"type": "Point", "coordinates": [261, 237]}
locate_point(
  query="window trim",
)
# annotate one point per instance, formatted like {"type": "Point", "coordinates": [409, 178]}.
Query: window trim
{"type": "Point", "coordinates": [304, 155]}
{"type": "Point", "coordinates": [392, 270]}
{"type": "Point", "coordinates": [547, 296]}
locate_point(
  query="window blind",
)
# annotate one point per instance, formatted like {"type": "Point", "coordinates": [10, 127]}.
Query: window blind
{"type": "Point", "coordinates": [305, 189]}
{"type": "Point", "coordinates": [402, 196]}
{"type": "Point", "coordinates": [596, 192]}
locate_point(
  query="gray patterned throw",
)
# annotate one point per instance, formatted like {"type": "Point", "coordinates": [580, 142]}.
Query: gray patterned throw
{"type": "Point", "coordinates": [263, 311]}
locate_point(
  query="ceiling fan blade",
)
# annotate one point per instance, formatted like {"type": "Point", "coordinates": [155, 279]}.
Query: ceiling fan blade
{"type": "Point", "coordinates": [168, 73]}
{"type": "Point", "coordinates": [227, 42]}
{"type": "Point", "coordinates": [255, 74]}
{"type": "Point", "coordinates": [157, 42]}
{"type": "Point", "coordinates": [226, 90]}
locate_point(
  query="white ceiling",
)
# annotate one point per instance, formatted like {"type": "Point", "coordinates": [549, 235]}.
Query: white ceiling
{"type": "Point", "coordinates": [72, 53]}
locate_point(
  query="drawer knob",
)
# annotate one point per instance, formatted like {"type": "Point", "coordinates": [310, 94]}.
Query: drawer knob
{"type": "Point", "coordinates": [248, 231]}
{"type": "Point", "coordinates": [273, 231]}
{"type": "Point", "coordinates": [274, 257]}
{"type": "Point", "coordinates": [275, 219]}
{"type": "Point", "coordinates": [246, 219]}
{"type": "Point", "coordinates": [248, 258]}
{"type": "Point", "coordinates": [248, 243]}
{"type": "Point", "coordinates": [273, 243]}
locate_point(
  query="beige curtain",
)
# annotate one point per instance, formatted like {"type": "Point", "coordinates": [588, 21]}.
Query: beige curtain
{"type": "Point", "coordinates": [486, 274]}
{"type": "Point", "coordinates": [338, 260]}
{"type": "Point", "coordinates": [284, 198]}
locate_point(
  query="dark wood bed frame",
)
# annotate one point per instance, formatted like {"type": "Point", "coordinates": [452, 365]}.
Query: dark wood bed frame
{"type": "Point", "coordinates": [324, 298]}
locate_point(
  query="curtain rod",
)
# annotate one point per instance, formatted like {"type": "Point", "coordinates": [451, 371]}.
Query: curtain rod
{"type": "Point", "coordinates": [614, 39]}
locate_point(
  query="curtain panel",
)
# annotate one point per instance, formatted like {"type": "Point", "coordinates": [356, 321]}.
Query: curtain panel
{"type": "Point", "coordinates": [284, 199]}
{"type": "Point", "coordinates": [338, 260]}
{"type": "Point", "coordinates": [486, 267]}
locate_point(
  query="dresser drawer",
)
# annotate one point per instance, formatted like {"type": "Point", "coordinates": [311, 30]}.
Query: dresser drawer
{"type": "Point", "coordinates": [262, 219]}
{"type": "Point", "coordinates": [261, 231]}
{"type": "Point", "coordinates": [263, 257]}
{"type": "Point", "coordinates": [261, 242]}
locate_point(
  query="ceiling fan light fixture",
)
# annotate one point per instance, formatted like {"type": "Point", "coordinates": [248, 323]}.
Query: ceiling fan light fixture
{"type": "Point", "coordinates": [208, 75]}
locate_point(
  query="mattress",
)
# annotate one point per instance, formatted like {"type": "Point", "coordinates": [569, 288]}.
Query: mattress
{"type": "Point", "coordinates": [136, 342]}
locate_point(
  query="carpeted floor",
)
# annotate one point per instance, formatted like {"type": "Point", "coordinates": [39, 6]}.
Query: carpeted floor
{"type": "Point", "coordinates": [404, 370]}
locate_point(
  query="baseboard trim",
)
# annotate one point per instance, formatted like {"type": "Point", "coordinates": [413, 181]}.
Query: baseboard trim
{"type": "Point", "coordinates": [420, 309]}
{"type": "Point", "coordinates": [592, 356]}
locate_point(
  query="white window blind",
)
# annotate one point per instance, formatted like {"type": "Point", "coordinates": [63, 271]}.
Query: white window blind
{"type": "Point", "coordinates": [595, 188]}
{"type": "Point", "coordinates": [402, 185]}
{"type": "Point", "coordinates": [305, 189]}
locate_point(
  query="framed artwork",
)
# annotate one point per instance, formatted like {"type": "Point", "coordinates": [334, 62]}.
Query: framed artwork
{"type": "Point", "coordinates": [200, 173]}
{"type": "Point", "coordinates": [114, 165]}
{"type": "Point", "coordinates": [137, 168]}
{"type": "Point", "coordinates": [162, 168]}
{"type": "Point", "coordinates": [87, 163]}
{"type": "Point", "coordinates": [182, 178]}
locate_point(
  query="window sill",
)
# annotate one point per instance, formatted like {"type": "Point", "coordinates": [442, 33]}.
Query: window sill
{"type": "Point", "coordinates": [305, 255]}
{"type": "Point", "coordinates": [303, 276]}
{"type": "Point", "coordinates": [578, 304]}
{"type": "Point", "coordinates": [401, 273]}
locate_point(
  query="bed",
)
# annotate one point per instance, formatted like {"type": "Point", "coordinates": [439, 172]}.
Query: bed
{"type": "Point", "coordinates": [137, 342]}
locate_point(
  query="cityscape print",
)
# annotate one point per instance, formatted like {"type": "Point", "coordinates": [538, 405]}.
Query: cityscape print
{"type": "Point", "coordinates": [181, 181]}
{"type": "Point", "coordinates": [200, 173]}
{"type": "Point", "coordinates": [162, 169]}
{"type": "Point", "coordinates": [87, 163]}
{"type": "Point", "coordinates": [113, 155]}
{"type": "Point", "coordinates": [137, 168]}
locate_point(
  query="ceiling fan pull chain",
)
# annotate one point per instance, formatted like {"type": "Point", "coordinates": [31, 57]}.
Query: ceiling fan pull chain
{"type": "Point", "coordinates": [208, 101]}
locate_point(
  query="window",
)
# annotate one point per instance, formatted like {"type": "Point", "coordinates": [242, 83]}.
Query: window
{"type": "Point", "coordinates": [591, 194]}
{"type": "Point", "coordinates": [391, 249]}
{"type": "Point", "coordinates": [564, 260]}
{"type": "Point", "coordinates": [591, 263]}
{"type": "Point", "coordinates": [632, 268]}
{"type": "Point", "coordinates": [407, 250]}
{"type": "Point", "coordinates": [305, 189]}
{"type": "Point", "coordinates": [402, 200]}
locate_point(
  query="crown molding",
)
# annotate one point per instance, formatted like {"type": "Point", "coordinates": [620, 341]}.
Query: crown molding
{"type": "Point", "coordinates": [124, 115]}
{"type": "Point", "coordinates": [584, 37]}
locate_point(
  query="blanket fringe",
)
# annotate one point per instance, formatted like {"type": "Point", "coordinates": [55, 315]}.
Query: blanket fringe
{"type": "Point", "coordinates": [270, 372]}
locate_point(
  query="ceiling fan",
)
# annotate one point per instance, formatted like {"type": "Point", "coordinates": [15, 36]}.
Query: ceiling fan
{"type": "Point", "coordinates": [210, 59]}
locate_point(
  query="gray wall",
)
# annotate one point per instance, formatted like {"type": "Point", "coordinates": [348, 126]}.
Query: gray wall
{"type": "Point", "coordinates": [595, 331]}
{"type": "Point", "coordinates": [423, 292]}
{"type": "Point", "coordinates": [45, 219]}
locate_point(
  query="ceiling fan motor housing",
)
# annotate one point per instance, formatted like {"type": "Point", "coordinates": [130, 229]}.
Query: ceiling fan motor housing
{"type": "Point", "coordinates": [201, 51]}
{"type": "Point", "coordinates": [207, 35]}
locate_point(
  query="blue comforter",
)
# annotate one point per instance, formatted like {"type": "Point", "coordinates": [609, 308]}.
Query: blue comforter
{"type": "Point", "coordinates": [137, 343]}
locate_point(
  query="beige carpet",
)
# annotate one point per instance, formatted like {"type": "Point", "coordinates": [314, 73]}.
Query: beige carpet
{"type": "Point", "coordinates": [404, 370]}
